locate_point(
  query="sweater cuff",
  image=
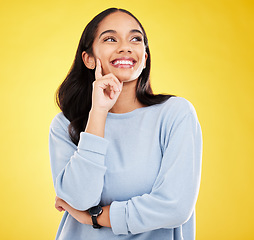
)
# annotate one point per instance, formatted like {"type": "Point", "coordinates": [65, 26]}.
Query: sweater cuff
{"type": "Point", "coordinates": [118, 218]}
{"type": "Point", "coordinates": [92, 147]}
{"type": "Point", "coordinates": [93, 143]}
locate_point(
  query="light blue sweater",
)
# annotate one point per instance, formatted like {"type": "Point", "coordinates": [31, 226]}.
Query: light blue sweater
{"type": "Point", "coordinates": [147, 167]}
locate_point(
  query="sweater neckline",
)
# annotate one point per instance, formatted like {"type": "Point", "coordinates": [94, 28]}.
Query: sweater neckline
{"type": "Point", "coordinates": [129, 114]}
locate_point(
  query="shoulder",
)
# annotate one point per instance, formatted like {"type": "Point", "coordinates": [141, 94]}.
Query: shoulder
{"type": "Point", "coordinates": [58, 132]}
{"type": "Point", "coordinates": [177, 107]}
{"type": "Point", "coordinates": [60, 122]}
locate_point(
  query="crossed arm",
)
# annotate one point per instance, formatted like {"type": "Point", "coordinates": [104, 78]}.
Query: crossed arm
{"type": "Point", "coordinates": [83, 216]}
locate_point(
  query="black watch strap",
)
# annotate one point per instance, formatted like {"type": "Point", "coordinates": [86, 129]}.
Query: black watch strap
{"type": "Point", "coordinates": [95, 223]}
{"type": "Point", "coordinates": [94, 213]}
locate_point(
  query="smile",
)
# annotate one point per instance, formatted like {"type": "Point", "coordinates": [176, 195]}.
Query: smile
{"type": "Point", "coordinates": [123, 63]}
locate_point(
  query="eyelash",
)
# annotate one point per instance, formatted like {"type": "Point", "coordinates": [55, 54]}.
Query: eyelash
{"type": "Point", "coordinates": [139, 39]}
{"type": "Point", "coordinates": [107, 38]}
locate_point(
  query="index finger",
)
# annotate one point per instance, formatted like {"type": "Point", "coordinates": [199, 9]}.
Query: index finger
{"type": "Point", "coordinates": [98, 70]}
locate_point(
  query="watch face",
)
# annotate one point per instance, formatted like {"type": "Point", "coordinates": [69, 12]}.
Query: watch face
{"type": "Point", "coordinates": [95, 211]}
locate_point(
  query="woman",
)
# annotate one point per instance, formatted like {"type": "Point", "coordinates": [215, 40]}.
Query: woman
{"type": "Point", "coordinates": [125, 163]}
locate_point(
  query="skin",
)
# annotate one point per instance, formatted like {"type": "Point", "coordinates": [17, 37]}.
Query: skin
{"type": "Point", "coordinates": [114, 88]}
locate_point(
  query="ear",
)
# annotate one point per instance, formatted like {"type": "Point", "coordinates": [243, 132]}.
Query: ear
{"type": "Point", "coordinates": [88, 60]}
{"type": "Point", "coordinates": [146, 56]}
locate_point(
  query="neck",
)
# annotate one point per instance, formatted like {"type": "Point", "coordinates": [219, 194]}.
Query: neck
{"type": "Point", "coordinates": [127, 101]}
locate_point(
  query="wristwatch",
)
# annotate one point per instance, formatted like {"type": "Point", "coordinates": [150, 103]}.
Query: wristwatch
{"type": "Point", "coordinates": [94, 213]}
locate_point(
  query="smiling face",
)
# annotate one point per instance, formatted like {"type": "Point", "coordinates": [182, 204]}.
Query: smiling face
{"type": "Point", "coordinates": [119, 44]}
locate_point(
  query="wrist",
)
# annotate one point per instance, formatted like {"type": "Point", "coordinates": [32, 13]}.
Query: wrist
{"type": "Point", "coordinates": [95, 212]}
{"type": "Point", "coordinates": [96, 122]}
{"type": "Point", "coordinates": [98, 111]}
{"type": "Point", "coordinates": [104, 218]}
{"type": "Point", "coordinates": [87, 218]}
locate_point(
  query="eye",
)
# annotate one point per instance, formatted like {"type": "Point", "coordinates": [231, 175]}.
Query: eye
{"type": "Point", "coordinates": [109, 39]}
{"type": "Point", "coordinates": [136, 39]}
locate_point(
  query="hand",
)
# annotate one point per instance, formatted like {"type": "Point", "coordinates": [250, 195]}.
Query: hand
{"type": "Point", "coordinates": [81, 216]}
{"type": "Point", "coordinates": [106, 89]}
{"type": "Point", "coordinates": [58, 204]}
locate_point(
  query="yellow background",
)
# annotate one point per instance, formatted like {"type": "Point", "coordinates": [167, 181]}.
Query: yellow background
{"type": "Point", "coordinates": [201, 50]}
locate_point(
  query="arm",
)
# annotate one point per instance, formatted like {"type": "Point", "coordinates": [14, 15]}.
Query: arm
{"type": "Point", "coordinates": [83, 216]}
{"type": "Point", "coordinates": [173, 197]}
{"type": "Point", "coordinates": [78, 172]}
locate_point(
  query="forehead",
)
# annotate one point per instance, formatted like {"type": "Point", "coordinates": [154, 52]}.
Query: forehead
{"type": "Point", "coordinates": [118, 21]}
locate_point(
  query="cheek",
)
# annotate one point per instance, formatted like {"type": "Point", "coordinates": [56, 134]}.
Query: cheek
{"type": "Point", "coordinates": [104, 56]}
{"type": "Point", "coordinates": [142, 54]}
{"type": "Point", "coordinates": [97, 51]}
{"type": "Point", "coordinates": [102, 52]}
{"type": "Point", "coordinates": [143, 58]}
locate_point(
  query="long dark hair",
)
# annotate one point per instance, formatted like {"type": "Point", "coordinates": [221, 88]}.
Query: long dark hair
{"type": "Point", "coordinates": [74, 95]}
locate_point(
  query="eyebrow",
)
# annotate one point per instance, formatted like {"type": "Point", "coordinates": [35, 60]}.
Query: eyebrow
{"type": "Point", "coordinates": [113, 31]}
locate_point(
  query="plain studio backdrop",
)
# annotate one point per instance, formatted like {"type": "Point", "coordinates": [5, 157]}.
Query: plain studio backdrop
{"type": "Point", "coordinates": [201, 50]}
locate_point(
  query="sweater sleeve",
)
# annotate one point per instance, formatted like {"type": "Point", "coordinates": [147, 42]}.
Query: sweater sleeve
{"type": "Point", "coordinates": [173, 197]}
{"type": "Point", "coordinates": [78, 171]}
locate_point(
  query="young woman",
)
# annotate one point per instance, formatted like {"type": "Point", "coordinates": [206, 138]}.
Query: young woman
{"type": "Point", "coordinates": [126, 163]}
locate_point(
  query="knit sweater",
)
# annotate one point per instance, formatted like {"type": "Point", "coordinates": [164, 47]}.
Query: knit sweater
{"type": "Point", "coordinates": [147, 168]}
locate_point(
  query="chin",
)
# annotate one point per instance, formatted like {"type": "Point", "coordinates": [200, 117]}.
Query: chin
{"type": "Point", "coordinates": [125, 79]}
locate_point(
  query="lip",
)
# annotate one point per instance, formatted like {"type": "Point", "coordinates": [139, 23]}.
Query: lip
{"type": "Point", "coordinates": [122, 65]}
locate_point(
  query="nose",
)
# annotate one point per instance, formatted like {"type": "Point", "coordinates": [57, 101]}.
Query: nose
{"type": "Point", "coordinates": [124, 47]}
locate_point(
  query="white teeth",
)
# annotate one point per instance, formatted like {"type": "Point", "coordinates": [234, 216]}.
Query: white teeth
{"type": "Point", "coordinates": [123, 62]}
